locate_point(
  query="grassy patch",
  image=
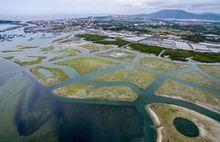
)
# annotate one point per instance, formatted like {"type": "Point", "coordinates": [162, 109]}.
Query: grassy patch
{"type": "Point", "coordinates": [147, 49]}
{"type": "Point", "coordinates": [49, 48]}
{"type": "Point", "coordinates": [83, 91]}
{"type": "Point", "coordinates": [9, 57]}
{"type": "Point", "coordinates": [60, 40]}
{"type": "Point", "coordinates": [212, 70]}
{"type": "Point", "coordinates": [175, 89]}
{"type": "Point", "coordinates": [181, 55]}
{"type": "Point", "coordinates": [26, 63]}
{"type": "Point", "coordinates": [93, 47]}
{"type": "Point", "coordinates": [71, 52]}
{"type": "Point", "coordinates": [58, 75]}
{"type": "Point", "coordinates": [11, 51]}
{"type": "Point", "coordinates": [101, 40]}
{"type": "Point", "coordinates": [161, 64]}
{"type": "Point", "coordinates": [167, 113]}
{"type": "Point", "coordinates": [118, 54]}
{"type": "Point", "coordinates": [139, 77]}
{"type": "Point", "coordinates": [196, 77]}
{"type": "Point", "coordinates": [87, 65]}
{"type": "Point", "coordinates": [56, 58]}
{"type": "Point", "coordinates": [29, 47]}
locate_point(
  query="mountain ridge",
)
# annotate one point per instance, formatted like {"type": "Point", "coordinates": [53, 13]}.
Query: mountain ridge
{"type": "Point", "coordinates": [179, 14]}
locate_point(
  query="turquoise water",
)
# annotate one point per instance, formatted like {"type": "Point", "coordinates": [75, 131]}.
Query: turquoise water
{"type": "Point", "coordinates": [36, 108]}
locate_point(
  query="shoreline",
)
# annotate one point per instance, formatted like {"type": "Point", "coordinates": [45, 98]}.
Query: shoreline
{"type": "Point", "coordinates": [180, 98]}
{"type": "Point", "coordinates": [156, 123]}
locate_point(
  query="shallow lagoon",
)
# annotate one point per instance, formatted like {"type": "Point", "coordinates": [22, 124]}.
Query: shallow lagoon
{"type": "Point", "coordinates": [38, 114]}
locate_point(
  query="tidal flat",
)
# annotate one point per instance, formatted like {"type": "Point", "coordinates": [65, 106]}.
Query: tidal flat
{"type": "Point", "coordinates": [166, 114]}
{"type": "Point", "coordinates": [110, 85]}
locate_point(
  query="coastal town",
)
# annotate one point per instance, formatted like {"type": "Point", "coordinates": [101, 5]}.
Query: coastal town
{"type": "Point", "coordinates": [110, 78]}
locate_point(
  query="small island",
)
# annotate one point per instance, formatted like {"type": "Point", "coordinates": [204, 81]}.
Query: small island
{"type": "Point", "coordinates": [137, 76]}
{"type": "Point", "coordinates": [213, 70]}
{"type": "Point", "coordinates": [48, 76]}
{"type": "Point", "coordinates": [85, 65]}
{"type": "Point", "coordinates": [197, 77]}
{"type": "Point", "coordinates": [166, 119]}
{"type": "Point", "coordinates": [26, 61]}
{"type": "Point", "coordinates": [174, 89]}
{"type": "Point", "coordinates": [93, 47]}
{"type": "Point", "coordinates": [101, 93]}
{"type": "Point", "coordinates": [160, 64]}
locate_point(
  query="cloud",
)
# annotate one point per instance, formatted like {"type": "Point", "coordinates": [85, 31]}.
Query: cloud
{"type": "Point", "coordinates": [104, 6]}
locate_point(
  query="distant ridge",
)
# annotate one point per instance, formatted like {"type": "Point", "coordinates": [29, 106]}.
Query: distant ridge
{"type": "Point", "coordinates": [179, 14]}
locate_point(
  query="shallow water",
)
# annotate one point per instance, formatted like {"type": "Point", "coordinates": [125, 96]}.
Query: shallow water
{"type": "Point", "coordinates": [38, 114]}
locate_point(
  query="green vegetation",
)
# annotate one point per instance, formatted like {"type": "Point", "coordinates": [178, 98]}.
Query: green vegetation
{"type": "Point", "coordinates": [213, 70]}
{"type": "Point", "coordinates": [29, 47]}
{"type": "Point", "coordinates": [172, 89]}
{"type": "Point", "coordinates": [56, 58]}
{"type": "Point", "coordinates": [181, 55]}
{"type": "Point", "coordinates": [101, 40]}
{"type": "Point", "coordinates": [146, 48]}
{"type": "Point", "coordinates": [139, 77]}
{"type": "Point", "coordinates": [65, 53]}
{"type": "Point", "coordinates": [60, 40]}
{"type": "Point", "coordinates": [26, 63]}
{"type": "Point", "coordinates": [11, 51]}
{"type": "Point", "coordinates": [119, 54]}
{"type": "Point", "coordinates": [57, 75]}
{"type": "Point", "coordinates": [194, 38]}
{"type": "Point", "coordinates": [196, 77]}
{"type": "Point", "coordinates": [87, 65]}
{"type": "Point", "coordinates": [71, 52]}
{"type": "Point", "coordinates": [161, 64]}
{"type": "Point", "coordinates": [90, 37]}
{"type": "Point", "coordinates": [93, 47]}
{"type": "Point", "coordinates": [167, 114]}
{"type": "Point", "coordinates": [168, 30]}
{"type": "Point", "coordinates": [83, 91]}
{"type": "Point", "coordinates": [173, 54]}
{"type": "Point", "coordinates": [9, 58]}
{"type": "Point", "coordinates": [49, 48]}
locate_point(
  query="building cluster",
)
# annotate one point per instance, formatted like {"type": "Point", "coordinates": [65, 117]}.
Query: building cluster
{"type": "Point", "coordinates": [119, 27]}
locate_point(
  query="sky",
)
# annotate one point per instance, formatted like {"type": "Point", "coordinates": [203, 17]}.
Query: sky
{"type": "Point", "coordinates": [90, 7]}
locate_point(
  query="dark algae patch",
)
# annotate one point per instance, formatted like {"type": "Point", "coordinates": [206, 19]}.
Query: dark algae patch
{"type": "Point", "coordinates": [186, 127]}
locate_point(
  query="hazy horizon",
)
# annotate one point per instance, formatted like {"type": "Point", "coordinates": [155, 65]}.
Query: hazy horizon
{"type": "Point", "coordinates": [100, 7]}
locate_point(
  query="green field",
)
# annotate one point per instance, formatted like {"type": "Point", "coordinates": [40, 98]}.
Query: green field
{"type": "Point", "coordinates": [174, 89]}
{"type": "Point", "coordinates": [57, 75]}
{"type": "Point", "coordinates": [110, 93]}
{"type": "Point", "coordinates": [213, 70]}
{"type": "Point", "coordinates": [26, 63]}
{"type": "Point", "coordinates": [196, 77]}
{"type": "Point", "coordinates": [86, 65]}
{"type": "Point", "coordinates": [160, 64]}
{"type": "Point", "coordinates": [139, 77]}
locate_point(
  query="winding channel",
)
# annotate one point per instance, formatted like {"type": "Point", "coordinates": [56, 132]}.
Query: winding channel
{"type": "Point", "coordinates": [146, 96]}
